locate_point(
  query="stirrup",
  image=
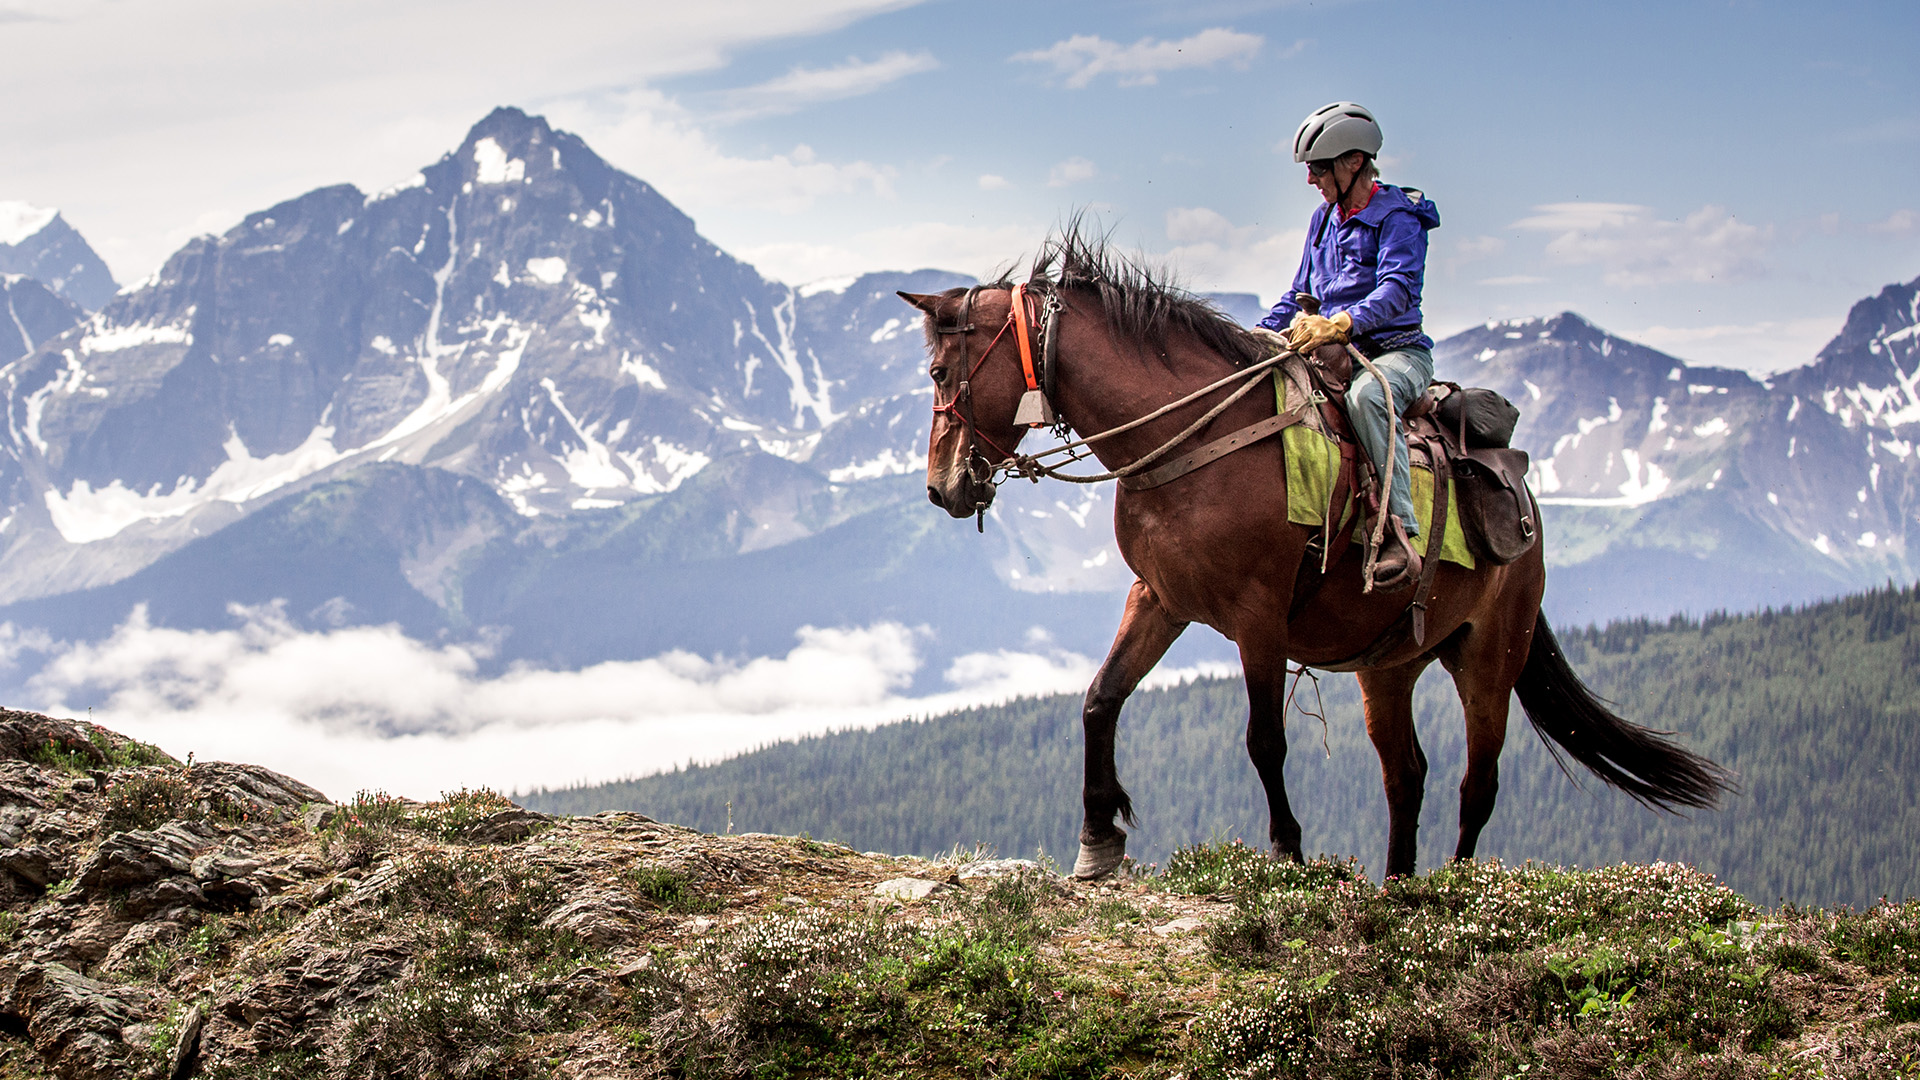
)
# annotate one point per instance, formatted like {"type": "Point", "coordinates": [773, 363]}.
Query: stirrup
{"type": "Point", "coordinates": [1411, 572]}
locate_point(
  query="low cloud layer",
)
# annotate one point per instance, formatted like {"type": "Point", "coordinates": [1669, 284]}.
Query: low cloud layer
{"type": "Point", "coordinates": [368, 707]}
{"type": "Point", "coordinates": [1633, 248]}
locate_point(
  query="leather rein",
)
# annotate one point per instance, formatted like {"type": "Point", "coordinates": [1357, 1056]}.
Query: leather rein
{"type": "Point", "coordinates": [1036, 408]}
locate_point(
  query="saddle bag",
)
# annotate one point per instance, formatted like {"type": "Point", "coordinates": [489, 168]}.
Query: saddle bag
{"type": "Point", "coordinates": [1497, 513]}
{"type": "Point", "coordinates": [1487, 418]}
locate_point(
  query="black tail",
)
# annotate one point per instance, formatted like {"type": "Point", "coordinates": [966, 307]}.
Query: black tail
{"type": "Point", "coordinates": [1655, 771]}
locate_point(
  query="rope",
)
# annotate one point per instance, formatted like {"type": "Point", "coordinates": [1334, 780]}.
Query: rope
{"type": "Point", "coordinates": [1031, 467]}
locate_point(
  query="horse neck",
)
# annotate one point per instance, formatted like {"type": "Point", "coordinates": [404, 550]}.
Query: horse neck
{"type": "Point", "coordinates": [1104, 382]}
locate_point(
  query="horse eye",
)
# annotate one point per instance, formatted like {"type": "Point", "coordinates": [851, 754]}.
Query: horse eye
{"type": "Point", "coordinates": [938, 372]}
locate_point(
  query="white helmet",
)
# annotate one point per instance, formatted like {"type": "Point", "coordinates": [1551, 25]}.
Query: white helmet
{"type": "Point", "coordinates": [1336, 129]}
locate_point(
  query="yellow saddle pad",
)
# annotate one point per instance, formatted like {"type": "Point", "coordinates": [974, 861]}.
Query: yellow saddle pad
{"type": "Point", "coordinates": [1313, 463]}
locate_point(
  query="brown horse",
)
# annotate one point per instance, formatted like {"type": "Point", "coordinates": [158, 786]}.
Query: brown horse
{"type": "Point", "coordinates": [1215, 547]}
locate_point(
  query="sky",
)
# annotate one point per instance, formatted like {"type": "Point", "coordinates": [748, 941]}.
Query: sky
{"type": "Point", "coordinates": [1721, 180]}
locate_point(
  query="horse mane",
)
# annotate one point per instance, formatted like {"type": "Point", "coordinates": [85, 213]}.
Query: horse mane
{"type": "Point", "coordinates": [1142, 302]}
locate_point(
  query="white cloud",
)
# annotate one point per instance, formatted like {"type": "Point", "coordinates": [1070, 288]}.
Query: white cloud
{"type": "Point", "coordinates": [363, 91]}
{"type": "Point", "coordinates": [1761, 348]}
{"type": "Point", "coordinates": [991, 182]}
{"type": "Point", "coordinates": [805, 86]}
{"type": "Point", "coordinates": [1085, 57]}
{"type": "Point", "coordinates": [980, 250]}
{"type": "Point", "coordinates": [1213, 253]}
{"type": "Point", "coordinates": [1898, 223]}
{"type": "Point", "coordinates": [1071, 171]}
{"type": "Point", "coordinates": [1513, 279]}
{"type": "Point", "coordinates": [649, 135]}
{"type": "Point", "coordinates": [1632, 247]}
{"type": "Point", "coordinates": [368, 707]}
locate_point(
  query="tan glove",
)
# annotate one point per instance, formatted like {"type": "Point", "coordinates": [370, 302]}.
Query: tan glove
{"type": "Point", "coordinates": [1309, 332]}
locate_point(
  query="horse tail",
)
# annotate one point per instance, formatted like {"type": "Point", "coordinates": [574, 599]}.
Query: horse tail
{"type": "Point", "coordinates": [1655, 771]}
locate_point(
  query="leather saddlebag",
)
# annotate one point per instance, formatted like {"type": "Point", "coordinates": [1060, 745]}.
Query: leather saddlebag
{"type": "Point", "coordinates": [1487, 417]}
{"type": "Point", "coordinates": [1497, 513]}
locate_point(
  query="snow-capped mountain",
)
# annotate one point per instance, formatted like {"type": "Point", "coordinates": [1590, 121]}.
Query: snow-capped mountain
{"type": "Point", "coordinates": [1695, 487]}
{"type": "Point", "coordinates": [518, 312]}
{"type": "Point", "coordinates": [38, 242]}
{"type": "Point", "coordinates": [520, 394]}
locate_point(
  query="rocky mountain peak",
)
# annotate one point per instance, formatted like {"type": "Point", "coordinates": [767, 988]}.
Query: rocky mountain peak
{"type": "Point", "coordinates": [37, 242]}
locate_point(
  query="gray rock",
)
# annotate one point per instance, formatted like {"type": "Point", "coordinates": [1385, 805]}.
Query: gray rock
{"type": "Point", "coordinates": [76, 1022]}
{"type": "Point", "coordinates": [1184, 925]}
{"type": "Point", "coordinates": [258, 793]}
{"type": "Point", "coordinates": [130, 859]}
{"type": "Point", "coordinates": [165, 893]}
{"type": "Point", "coordinates": [221, 864]}
{"type": "Point", "coordinates": [993, 868]}
{"type": "Point", "coordinates": [33, 863]}
{"type": "Point", "coordinates": [600, 918]}
{"type": "Point", "coordinates": [319, 816]}
{"type": "Point", "coordinates": [506, 826]}
{"type": "Point", "coordinates": [187, 1047]}
{"type": "Point", "coordinates": [910, 889]}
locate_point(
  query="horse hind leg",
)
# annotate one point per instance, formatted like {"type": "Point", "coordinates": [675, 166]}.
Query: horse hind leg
{"type": "Point", "coordinates": [1388, 697]}
{"type": "Point", "coordinates": [1484, 668]}
{"type": "Point", "coordinates": [1144, 636]}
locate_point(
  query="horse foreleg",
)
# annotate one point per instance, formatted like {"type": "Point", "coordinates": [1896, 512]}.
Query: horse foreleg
{"type": "Point", "coordinates": [1267, 744]}
{"type": "Point", "coordinates": [1145, 635]}
{"type": "Point", "coordinates": [1388, 697]}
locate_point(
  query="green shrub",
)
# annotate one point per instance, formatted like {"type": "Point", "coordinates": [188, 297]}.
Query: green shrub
{"type": "Point", "coordinates": [145, 799]}
{"type": "Point", "coordinates": [1234, 868]}
{"type": "Point", "coordinates": [1902, 999]}
{"type": "Point", "coordinates": [671, 890]}
{"type": "Point", "coordinates": [1885, 937]}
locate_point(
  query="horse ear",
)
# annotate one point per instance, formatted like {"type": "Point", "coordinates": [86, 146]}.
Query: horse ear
{"type": "Point", "coordinates": [924, 301]}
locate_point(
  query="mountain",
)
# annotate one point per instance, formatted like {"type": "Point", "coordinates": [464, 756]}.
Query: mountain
{"type": "Point", "coordinates": [38, 243]}
{"type": "Point", "coordinates": [1812, 710]}
{"type": "Point", "coordinates": [34, 313]}
{"type": "Point", "coordinates": [520, 393]}
{"type": "Point", "coordinates": [1668, 487]}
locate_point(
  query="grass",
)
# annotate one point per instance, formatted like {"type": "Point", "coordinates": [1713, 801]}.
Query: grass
{"type": "Point", "coordinates": [363, 830]}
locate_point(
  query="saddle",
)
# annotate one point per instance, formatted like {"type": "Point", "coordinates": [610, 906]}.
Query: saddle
{"type": "Point", "coordinates": [1458, 432]}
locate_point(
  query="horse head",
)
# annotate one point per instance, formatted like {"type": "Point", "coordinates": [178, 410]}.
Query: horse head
{"type": "Point", "coordinates": [974, 401]}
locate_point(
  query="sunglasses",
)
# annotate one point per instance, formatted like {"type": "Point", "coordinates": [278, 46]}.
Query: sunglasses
{"type": "Point", "coordinates": [1320, 168]}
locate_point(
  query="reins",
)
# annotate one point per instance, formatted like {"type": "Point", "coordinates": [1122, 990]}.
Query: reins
{"type": "Point", "coordinates": [1036, 407]}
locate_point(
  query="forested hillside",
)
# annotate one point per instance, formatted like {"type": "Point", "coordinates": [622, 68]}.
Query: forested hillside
{"type": "Point", "coordinates": [1816, 710]}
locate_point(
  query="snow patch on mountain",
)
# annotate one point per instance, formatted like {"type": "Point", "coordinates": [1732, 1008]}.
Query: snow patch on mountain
{"type": "Point", "coordinates": [85, 515]}
{"type": "Point", "coordinates": [19, 220]}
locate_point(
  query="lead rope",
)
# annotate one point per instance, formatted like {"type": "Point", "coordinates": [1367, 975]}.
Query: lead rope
{"type": "Point", "coordinates": [1386, 479]}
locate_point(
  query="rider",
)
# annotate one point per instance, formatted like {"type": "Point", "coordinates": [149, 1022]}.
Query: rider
{"type": "Point", "coordinates": [1365, 264]}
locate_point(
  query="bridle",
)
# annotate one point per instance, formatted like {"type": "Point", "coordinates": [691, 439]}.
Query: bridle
{"type": "Point", "coordinates": [1036, 405]}
{"type": "Point", "coordinates": [1036, 408]}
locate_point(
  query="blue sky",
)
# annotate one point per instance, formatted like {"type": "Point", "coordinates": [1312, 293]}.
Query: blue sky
{"type": "Point", "coordinates": [1718, 179]}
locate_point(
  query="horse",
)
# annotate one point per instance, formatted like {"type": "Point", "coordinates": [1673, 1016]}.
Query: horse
{"type": "Point", "coordinates": [1215, 547]}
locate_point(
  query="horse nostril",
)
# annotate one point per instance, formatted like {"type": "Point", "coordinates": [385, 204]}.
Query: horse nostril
{"type": "Point", "coordinates": [933, 496]}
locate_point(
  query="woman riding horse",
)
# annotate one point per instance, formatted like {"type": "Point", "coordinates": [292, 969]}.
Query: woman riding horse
{"type": "Point", "coordinates": [1143, 372]}
{"type": "Point", "coordinates": [1365, 260]}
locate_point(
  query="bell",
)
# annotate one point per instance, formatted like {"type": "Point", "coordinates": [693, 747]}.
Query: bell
{"type": "Point", "coordinates": [1034, 411]}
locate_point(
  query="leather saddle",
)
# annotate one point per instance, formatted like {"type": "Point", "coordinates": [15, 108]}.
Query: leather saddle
{"type": "Point", "coordinates": [1455, 431]}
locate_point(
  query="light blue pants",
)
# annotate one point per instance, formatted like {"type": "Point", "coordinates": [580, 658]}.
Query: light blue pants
{"type": "Point", "coordinates": [1408, 371]}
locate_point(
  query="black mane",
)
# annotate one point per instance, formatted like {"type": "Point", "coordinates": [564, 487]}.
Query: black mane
{"type": "Point", "coordinates": [1142, 302]}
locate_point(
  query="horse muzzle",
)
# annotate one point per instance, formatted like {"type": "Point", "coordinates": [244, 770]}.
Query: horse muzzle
{"type": "Point", "coordinates": [959, 492]}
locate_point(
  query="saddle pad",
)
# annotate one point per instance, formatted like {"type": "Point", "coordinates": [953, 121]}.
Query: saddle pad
{"type": "Point", "coordinates": [1313, 461]}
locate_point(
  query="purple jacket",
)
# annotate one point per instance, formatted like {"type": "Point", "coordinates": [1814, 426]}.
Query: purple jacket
{"type": "Point", "coordinates": [1371, 266]}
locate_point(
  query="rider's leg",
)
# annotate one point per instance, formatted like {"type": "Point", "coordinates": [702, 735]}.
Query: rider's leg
{"type": "Point", "coordinates": [1408, 371]}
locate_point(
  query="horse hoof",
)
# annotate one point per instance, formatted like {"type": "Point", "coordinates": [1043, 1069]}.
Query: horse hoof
{"type": "Point", "coordinates": [1098, 860]}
